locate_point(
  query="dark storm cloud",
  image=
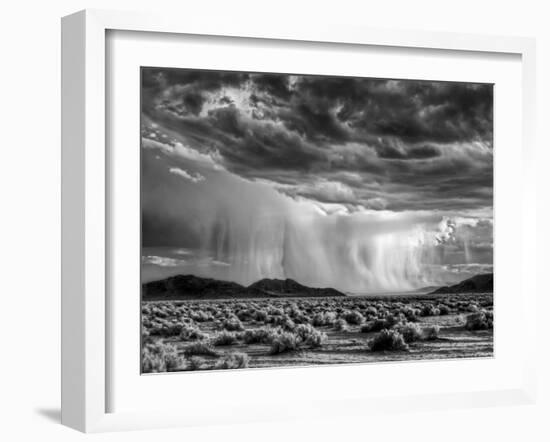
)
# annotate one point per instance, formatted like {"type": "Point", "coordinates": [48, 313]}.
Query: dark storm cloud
{"type": "Point", "coordinates": [190, 87]}
{"type": "Point", "coordinates": [413, 111]}
{"type": "Point", "coordinates": [437, 112]}
{"type": "Point", "coordinates": [159, 78]}
{"type": "Point", "coordinates": [274, 84]}
{"type": "Point", "coordinates": [407, 145]}
{"type": "Point", "coordinates": [420, 152]}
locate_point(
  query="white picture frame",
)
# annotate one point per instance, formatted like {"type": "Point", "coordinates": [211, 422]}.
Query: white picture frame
{"type": "Point", "coordinates": [86, 202]}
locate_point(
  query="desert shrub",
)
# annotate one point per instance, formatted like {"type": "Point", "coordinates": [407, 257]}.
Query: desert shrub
{"type": "Point", "coordinates": [310, 336]}
{"type": "Point", "coordinates": [391, 320]}
{"type": "Point", "coordinates": [224, 338]}
{"type": "Point", "coordinates": [294, 311]}
{"type": "Point", "coordinates": [443, 309]}
{"type": "Point", "coordinates": [323, 318]}
{"type": "Point", "coordinates": [262, 335]}
{"type": "Point", "coordinates": [300, 318]}
{"type": "Point", "coordinates": [185, 320]}
{"type": "Point", "coordinates": [284, 321]}
{"type": "Point", "coordinates": [159, 313]}
{"type": "Point", "coordinates": [226, 312]}
{"type": "Point", "coordinates": [472, 307]}
{"type": "Point", "coordinates": [479, 321]}
{"type": "Point", "coordinates": [275, 311]}
{"type": "Point", "coordinates": [316, 339]}
{"type": "Point", "coordinates": [410, 313]}
{"type": "Point", "coordinates": [371, 311]}
{"type": "Point", "coordinates": [388, 340]}
{"type": "Point", "coordinates": [232, 361]}
{"type": "Point", "coordinates": [411, 332]}
{"type": "Point", "coordinates": [288, 324]}
{"type": "Point", "coordinates": [201, 316]}
{"type": "Point", "coordinates": [195, 363]}
{"type": "Point", "coordinates": [340, 325]}
{"type": "Point", "coordinates": [379, 324]}
{"type": "Point", "coordinates": [212, 308]}
{"type": "Point", "coordinates": [243, 315]}
{"type": "Point", "coordinates": [159, 357]}
{"type": "Point", "coordinates": [284, 342]}
{"type": "Point", "coordinates": [200, 348]}
{"type": "Point", "coordinates": [353, 317]}
{"type": "Point", "coordinates": [373, 326]}
{"type": "Point", "coordinates": [429, 310]}
{"type": "Point", "coordinates": [487, 303]}
{"type": "Point", "coordinates": [191, 333]}
{"type": "Point", "coordinates": [430, 333]}
{"type": "Point", "coordinates": [233, 324]}
{"type": "Point", "coordinates": [260, 315]}
{"type": "Point", "coordinates": [165, 329]}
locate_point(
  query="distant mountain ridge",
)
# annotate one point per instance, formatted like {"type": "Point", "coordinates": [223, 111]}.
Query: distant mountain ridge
{"type": "Point", "coordinates": [292, 288]}
{"type": "Point", "coordinates": [482, 283]}
{"type": "Point", "coordinates": [182, 287]}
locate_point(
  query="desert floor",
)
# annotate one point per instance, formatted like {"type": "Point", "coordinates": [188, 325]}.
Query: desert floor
{"type": "Point", "coordinates": [194, 335]}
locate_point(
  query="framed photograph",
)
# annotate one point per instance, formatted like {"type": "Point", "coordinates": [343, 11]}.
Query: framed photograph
{"type": "Point", "coordinates": [291, 223]}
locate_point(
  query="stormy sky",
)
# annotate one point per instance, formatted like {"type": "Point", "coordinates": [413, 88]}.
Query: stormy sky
{"type": "Point", "coordinates": [355, 183]}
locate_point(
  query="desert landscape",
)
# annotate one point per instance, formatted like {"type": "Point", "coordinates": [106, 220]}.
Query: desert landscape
{"type": "Point", "coordinates": [281, 330]}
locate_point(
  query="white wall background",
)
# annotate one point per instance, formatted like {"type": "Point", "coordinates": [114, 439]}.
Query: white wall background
{"type": "Point", "coordinates": [30, 220]}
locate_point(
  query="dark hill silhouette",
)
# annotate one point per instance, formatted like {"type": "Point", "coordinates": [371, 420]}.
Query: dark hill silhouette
{"type": "Point", "coordinates": [195, 287]}
{"type": "Point", "coordinates": [289, 287]}
{"type": "Point", "coordinates": [476, 284]}
{"type": "Point", "coordinates": [183, 287]}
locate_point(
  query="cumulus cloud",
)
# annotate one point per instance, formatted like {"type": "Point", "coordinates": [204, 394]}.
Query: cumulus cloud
{"type": "Point", "coordinates": [209, 160]}
{"type": "Point", "coordinates": [162, 261]}
{"type": "Point", "coordinates": [197, 178]}
{"type": "Point", "coordinates": [182, 252]}
{"type": "Point", "coordinates": [471, 268]}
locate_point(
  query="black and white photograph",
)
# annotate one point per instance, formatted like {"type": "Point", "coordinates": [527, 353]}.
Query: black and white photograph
{"type": "Point", "coordinates": [300, 220]}
{"type": "Point", "coordinates": [241, 222]}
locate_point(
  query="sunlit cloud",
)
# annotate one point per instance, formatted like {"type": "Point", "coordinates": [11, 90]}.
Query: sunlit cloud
{"type": "Point", "coordinates": [196, 178]}
{"type": "Point", "coordinates": [162, 261]}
